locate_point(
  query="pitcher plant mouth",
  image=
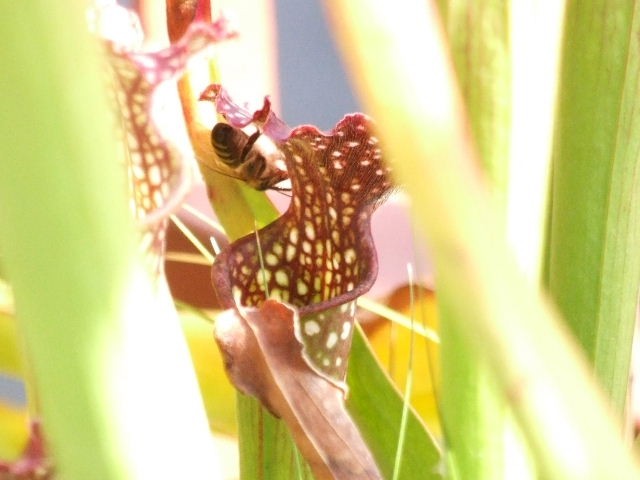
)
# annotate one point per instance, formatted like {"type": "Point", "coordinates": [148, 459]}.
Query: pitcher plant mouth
{"type": "Point", "coordinates": [318, 256]}
{"type": "Point", "coordinates": [293, 283]}
{"type": "Point", "coordinates": [158, 175]}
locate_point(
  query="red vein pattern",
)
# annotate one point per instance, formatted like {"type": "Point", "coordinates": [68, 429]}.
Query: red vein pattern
{"type": "Point", "coordinates": [158, 176]}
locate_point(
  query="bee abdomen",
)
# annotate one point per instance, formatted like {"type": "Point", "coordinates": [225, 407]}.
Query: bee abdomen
{"type": "Point", "coordinates": [259, 165]}
{"type": "Point", "coordinates": [229, 143]}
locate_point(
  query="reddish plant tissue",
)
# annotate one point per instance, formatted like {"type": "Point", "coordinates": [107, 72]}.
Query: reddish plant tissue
{"type": "Point", "coordinates": [317, 259]}
{"type": "Point", "coordinates": [159, 178]}
{"type": "Point", "coordinates": [319, 255]}
{"type": "Point", "coordinates": [33, 464]}
{"type": "Point", "coordinates": [264, 358]}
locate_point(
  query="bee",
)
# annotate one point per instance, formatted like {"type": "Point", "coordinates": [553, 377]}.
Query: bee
{"type": "Point", "coordinates": [253, 158]}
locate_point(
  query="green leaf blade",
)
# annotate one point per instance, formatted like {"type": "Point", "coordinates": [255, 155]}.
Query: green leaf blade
{"type": "Point", "coordinates": [376, 406]}
{"type": "Point", "coordinates": [593, 260]}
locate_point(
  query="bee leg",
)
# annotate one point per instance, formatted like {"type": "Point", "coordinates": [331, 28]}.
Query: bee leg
{"type": "Point", "coordinates": [249, 145]}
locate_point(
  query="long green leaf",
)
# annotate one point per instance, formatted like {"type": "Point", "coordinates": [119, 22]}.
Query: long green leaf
{"type": "Point", "coordinates": [473, 415]}
{"type": "Point", "coordinates": [376, 406]}
{"type": "Point", "coordinates": [421, 123]}
{"type": "Point", "coordinates": [113, 405]}
{"type": "Point", "coordinates": [594, 259]}
{"type": "Point", "coordinates": [83, 300]}
{"type": "Point", "coordinates": [479, 35]}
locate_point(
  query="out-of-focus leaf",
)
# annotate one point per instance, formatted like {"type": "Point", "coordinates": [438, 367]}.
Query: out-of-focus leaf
{"type": "Point", "coordinates": [68, 248]}
{"type": "Point", "coordinates": [507, 323]}
{"type": "Point", "coordinates": [218, 394]}
{"type": "Point", "coordinates": [479, 35]}
{"type": "Point", "coordinates": [14, 431]}
{"type": "Point", "coordinates": [10, 357]}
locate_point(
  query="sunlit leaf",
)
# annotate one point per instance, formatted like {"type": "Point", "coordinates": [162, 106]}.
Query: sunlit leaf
{"type": "Point", "coordinates": [10, 356]}
{"type": "Point", "coordinates": [14, 425]}
{"type": "Point", "coordinates": [217, 393]}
